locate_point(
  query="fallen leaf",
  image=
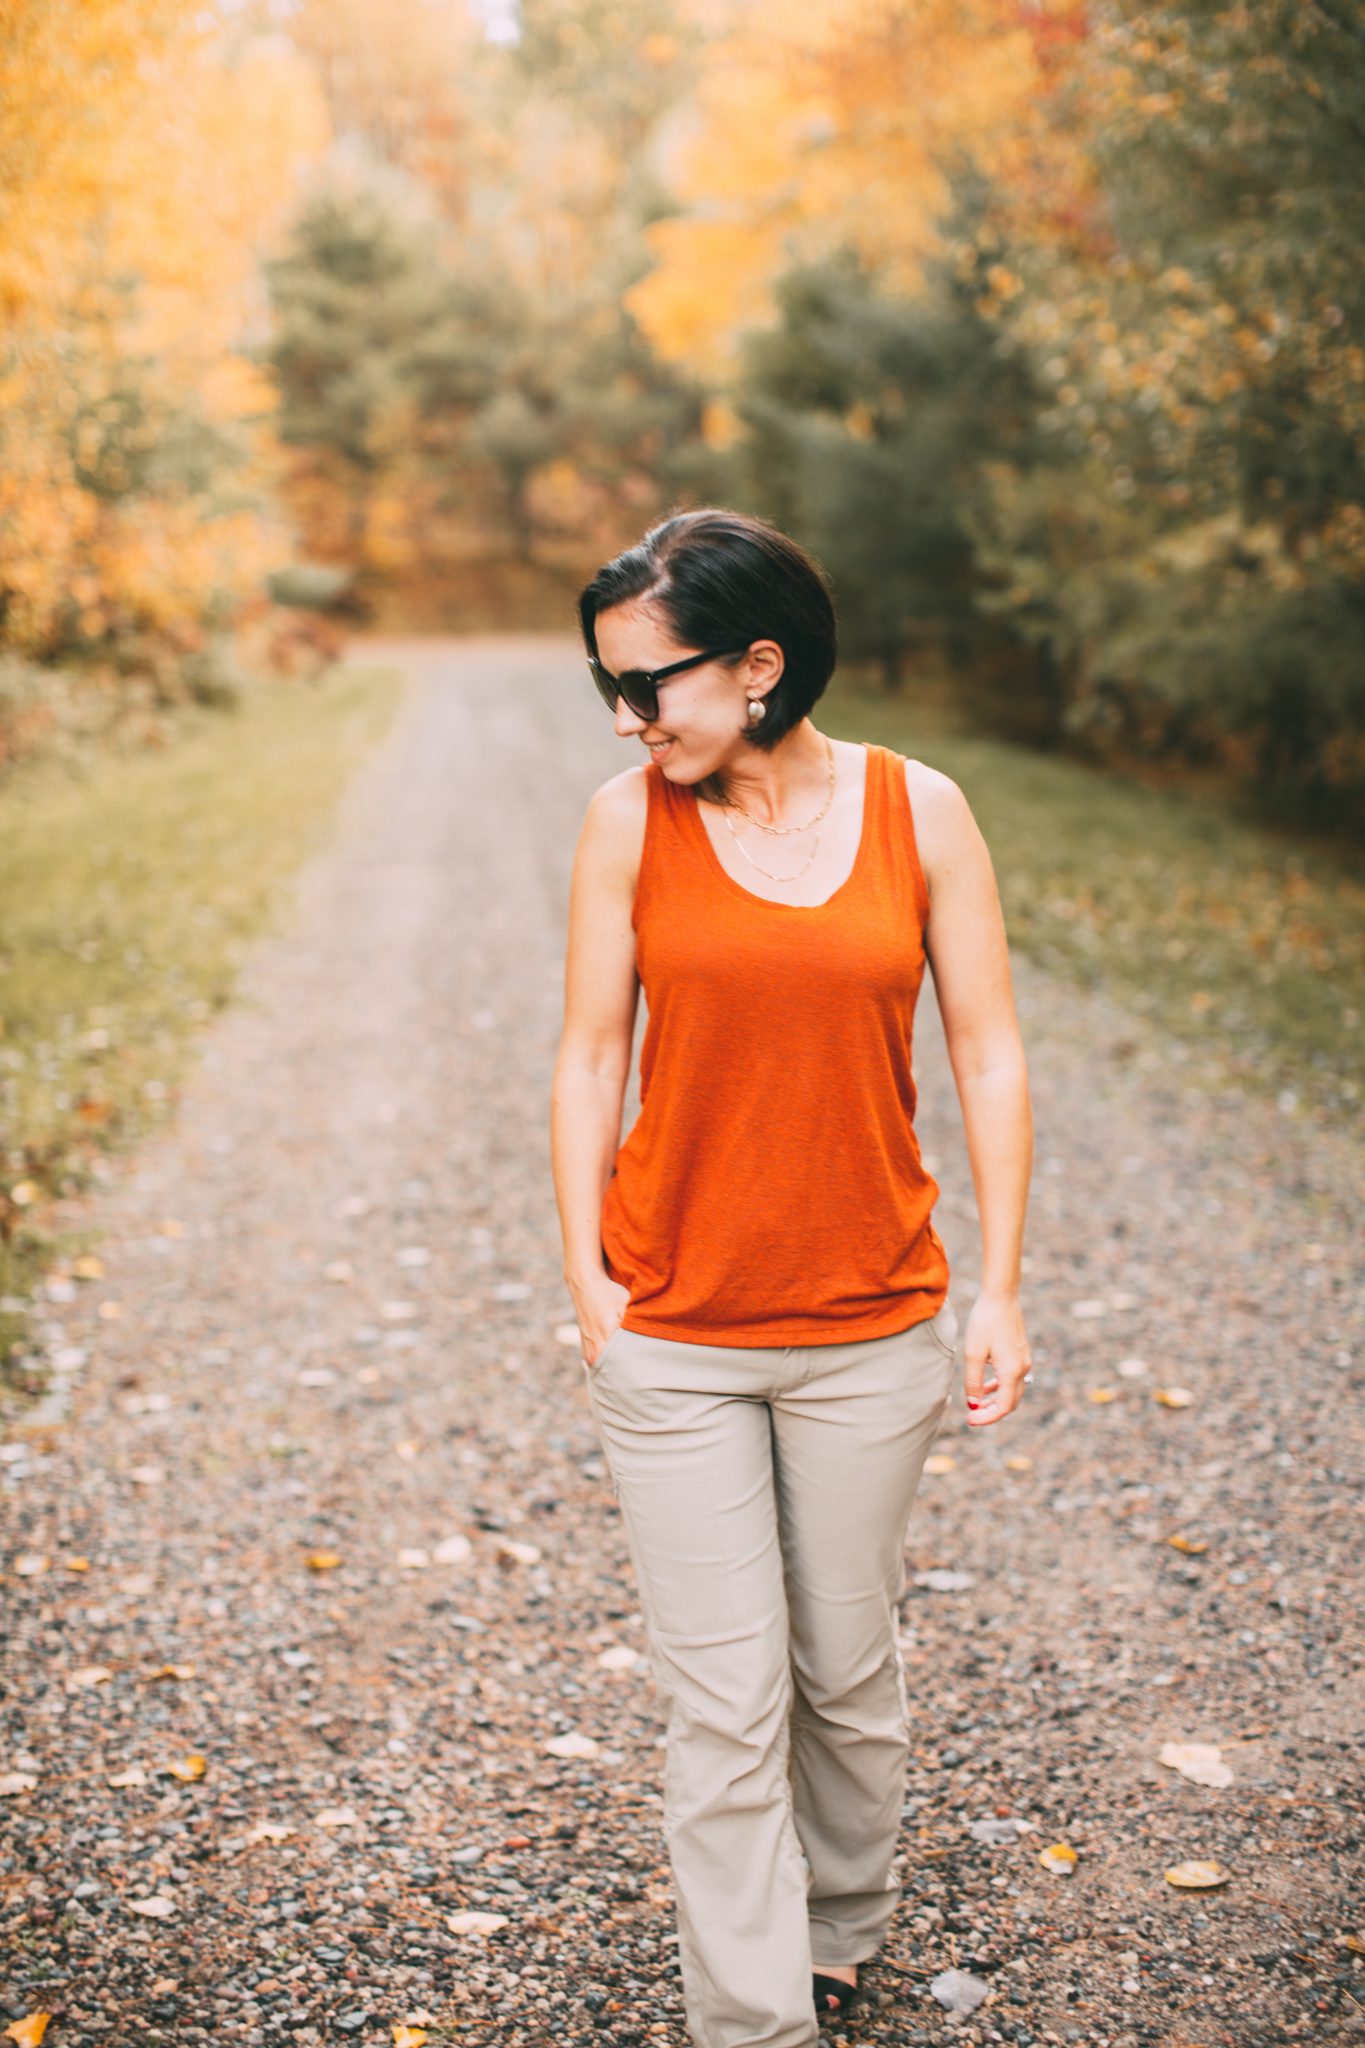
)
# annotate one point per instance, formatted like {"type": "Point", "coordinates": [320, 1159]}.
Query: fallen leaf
{"type": "Point", "coordinates": [959, 1990]}
{"type": "Point", "coordinates": [1102, 1394]}
{"type": "Point", "coordinates": [172, 1671]}
{"type": "Point", "coordinates": [322, 1560]}
{"type": "Point", "coordinates": [1199, 1761]}
{"type": "Point", "coordinates": [1059, 1857]}
{"type": "Point", "coordinates": [1191, 1545]}
{"type": "Point", "coordinates": [1196, 1877]}
{"type": "Point", "coordinates": [571, 1745]}
{"type": "Point", "coordinates": [619, 1658]}
{"type": "Point", "coordinates": [476, 1923]}
{"type": "Point", "coordinates": [28, 2032]}
{"type": "Point", "coordinates": [1173, 1397]}
{"type": "Point", "coordinates": [88, 1674]}
{"type": "Point", "coordinates": [408, 2037]}
{"type": "Point", "coordinates": [995, 1832]}
{"type": "Point", "coordinates": [88, 1267]}
{"type": "Point", "coordinates": [187, 1768]}
{"type": "Point", "coordinates": [940, 1461]}
{"type": "Point", "coordinates": [1019, 1463]}
{"type": "Point", "coordinates": [157, 1907]}
{"type": "Point", "coordinates": [75, 1564]}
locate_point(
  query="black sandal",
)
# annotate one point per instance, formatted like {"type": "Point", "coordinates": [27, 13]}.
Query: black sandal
{"type": "Point", "coordinates": [835, 1988]}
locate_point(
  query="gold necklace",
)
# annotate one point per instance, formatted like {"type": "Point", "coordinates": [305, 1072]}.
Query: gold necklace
{"type": "Point", "coordinates": [815, 845]}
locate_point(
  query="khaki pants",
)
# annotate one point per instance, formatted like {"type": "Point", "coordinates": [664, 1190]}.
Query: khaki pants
{"type": "Point", "coordinates": [765, 1495]}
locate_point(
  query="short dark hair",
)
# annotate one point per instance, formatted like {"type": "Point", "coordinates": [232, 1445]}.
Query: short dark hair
{"type": "Point", "coordinates": [720, 578]}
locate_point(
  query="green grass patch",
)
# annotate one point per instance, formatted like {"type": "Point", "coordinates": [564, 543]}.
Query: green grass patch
{"type": "Point", "coordinates": [1241, 941]}
{"type": "Point", "coordinates": [130, 887]}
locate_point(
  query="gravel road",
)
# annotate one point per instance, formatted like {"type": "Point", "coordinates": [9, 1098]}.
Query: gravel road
{"type": "Point", "coordinates": [317, 1501]}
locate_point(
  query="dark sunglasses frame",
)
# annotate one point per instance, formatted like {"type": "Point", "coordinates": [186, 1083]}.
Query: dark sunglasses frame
{"type": "Point", "coordinates": [639, 686]}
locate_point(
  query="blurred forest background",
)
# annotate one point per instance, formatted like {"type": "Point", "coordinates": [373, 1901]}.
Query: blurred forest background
{"type": "Point", "coordinates": [1039, 321]}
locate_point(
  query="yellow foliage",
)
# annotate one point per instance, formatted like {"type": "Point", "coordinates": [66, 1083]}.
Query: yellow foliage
{"type": "Point", "coordinates": [826, 124]}
{"type": "Point", "coordinates": [149, 153]}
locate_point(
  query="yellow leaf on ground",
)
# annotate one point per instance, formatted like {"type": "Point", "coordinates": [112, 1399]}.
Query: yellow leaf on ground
{"type": "Point", "coordinates": [1191, 1545]}
{"type": "Point", "coordinates": [188, 1768]}
{"type": "Point", "coordinates": [1058, 1857]}
{"type": "Point", "coordinates": [173, 1671]}
{"type": "Point", "coordinates": [1174, 1397]}
{"type": "Point", "coordinates": [1019, 1463]}
{"type": "Point", "coordinates": [940, 1462]}
{"type": "Point", "coordinates": [322, 1560]}
{"type": "Point", "coordinates": [408, 2037]}
{"type": "Point", "coordinates": [28, 2032]}
{"type": "Point", "coordinates": [1102, 1394]}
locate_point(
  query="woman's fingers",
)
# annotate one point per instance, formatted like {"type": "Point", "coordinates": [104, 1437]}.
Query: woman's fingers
{"type": "Point", "coordinates": [997, 1396]}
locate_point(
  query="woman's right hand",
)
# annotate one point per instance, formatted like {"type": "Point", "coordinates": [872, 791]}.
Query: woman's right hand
{"type": "Point", "coordinates": [599, 1309]}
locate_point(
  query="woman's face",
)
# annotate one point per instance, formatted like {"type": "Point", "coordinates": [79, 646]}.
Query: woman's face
{"type": "Point", "coordinates": [703, 712]}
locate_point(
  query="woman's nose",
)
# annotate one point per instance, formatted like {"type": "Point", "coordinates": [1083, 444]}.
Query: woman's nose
{"type": "Point", "coordinates": [628, 721]}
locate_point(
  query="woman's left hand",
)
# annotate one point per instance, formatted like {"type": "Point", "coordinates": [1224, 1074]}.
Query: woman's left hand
{"type": "Point", "coordinates": [996, 1358]}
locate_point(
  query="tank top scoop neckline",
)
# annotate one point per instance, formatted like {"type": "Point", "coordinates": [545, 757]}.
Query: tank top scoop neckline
{"type": "Point", "coordinates": [771, 1190]}
{"type": "Point", "coordinates": [871, 800]}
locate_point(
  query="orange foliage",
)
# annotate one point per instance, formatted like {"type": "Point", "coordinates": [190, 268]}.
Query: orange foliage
{"type": "Point", "coordinates": [836, 123]}
{"type": "Point", "coordinates": [147, 153]}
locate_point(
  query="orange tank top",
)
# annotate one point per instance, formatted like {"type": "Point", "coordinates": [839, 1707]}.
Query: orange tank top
{"type": "Point", "coordinates": [771, 1189]}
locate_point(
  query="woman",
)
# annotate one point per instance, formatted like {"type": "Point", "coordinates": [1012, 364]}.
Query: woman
{"type": "Point", "coordinates": [762, 1297]}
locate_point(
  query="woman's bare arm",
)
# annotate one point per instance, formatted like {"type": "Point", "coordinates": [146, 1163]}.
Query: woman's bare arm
{"type": "Point", "coordinates": [601, 994]}
{"type": "Point", "coordinates": [968, 952]}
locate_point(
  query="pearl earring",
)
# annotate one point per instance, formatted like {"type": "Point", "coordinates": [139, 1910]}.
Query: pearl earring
{"type": "Point", "coordinates": [756, 709]}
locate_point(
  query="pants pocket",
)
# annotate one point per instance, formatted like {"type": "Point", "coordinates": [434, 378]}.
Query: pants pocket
{"type": "Point", "coordinates": [943, 1328]}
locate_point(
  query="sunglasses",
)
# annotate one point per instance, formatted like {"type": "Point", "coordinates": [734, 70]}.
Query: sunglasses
{"type": "Point", "coordinates": [639, 686]}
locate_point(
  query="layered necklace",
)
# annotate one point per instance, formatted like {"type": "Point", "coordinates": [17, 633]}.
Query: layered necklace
{"type": "Point", "coordinates": [782, 830]}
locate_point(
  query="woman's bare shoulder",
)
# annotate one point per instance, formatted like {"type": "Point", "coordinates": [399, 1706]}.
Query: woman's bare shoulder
{"type": "Point", "coordinates": [614, 822]}
{"type": "Point", "coordinates": [942, 816]}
